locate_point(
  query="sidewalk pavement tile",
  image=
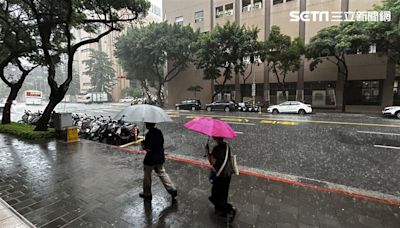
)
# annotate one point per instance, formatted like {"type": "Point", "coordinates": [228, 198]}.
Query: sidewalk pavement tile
{"type": "Point", "coordinates": [94, 185]}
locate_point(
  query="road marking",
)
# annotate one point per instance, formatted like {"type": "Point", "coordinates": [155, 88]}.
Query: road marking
{"type": "Point", "coordinates": [249, 124]}
{"type": "Point", "coordinates": [387, 147]}
{"type": "Point", "coordinates": [174, 116]}
{"type": "Point", "coordinates": [232, 119]}
{"type": "Point", "coordinates": [291, 123]}
{"type": "Point", "coordinates": [378, 133]}
{"type": "Point", "coordinates": [301, 121]}
{"type": "Point", "coordinates": [239, 132]}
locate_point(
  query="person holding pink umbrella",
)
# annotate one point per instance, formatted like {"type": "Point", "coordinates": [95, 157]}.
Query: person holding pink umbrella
{"type": "Point", "coordinates": [220, 160]}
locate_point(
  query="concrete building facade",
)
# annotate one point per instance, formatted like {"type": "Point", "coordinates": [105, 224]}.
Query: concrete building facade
{"type": "Point", "coordinates": [107, 45]}
{"type": "Point", "coordinates": [373, 81]}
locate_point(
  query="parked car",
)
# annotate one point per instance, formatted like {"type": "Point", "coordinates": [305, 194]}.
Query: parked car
{"type": "Point", "coordinates": [392, 111]}
{"type": "Point", "coordinates": [246, 107]}
{"type": "Point", "coordinates": [190, 104]}
{"type": "Point", "coordinates": [290, 107]}
{"type": "Point", "coordinates": [126, 99]}
{"type": "Point", "coordinates": [221, 105]}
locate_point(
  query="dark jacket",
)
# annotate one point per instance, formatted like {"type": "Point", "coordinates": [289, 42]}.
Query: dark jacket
{"type": "Point", "coordinates": [218, 153]}
{"type": "Point", "coordinates": [154, 145]}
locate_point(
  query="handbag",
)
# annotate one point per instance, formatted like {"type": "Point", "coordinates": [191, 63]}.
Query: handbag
{"type": "Point", "coordinates": [229, 167]}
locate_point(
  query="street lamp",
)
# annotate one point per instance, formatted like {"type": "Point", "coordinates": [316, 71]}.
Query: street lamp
{"type": "Point", "coordinates": [253, 60]}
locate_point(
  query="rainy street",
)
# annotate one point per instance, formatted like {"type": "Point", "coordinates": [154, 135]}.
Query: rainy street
{"type": "Point", "coordinates": [319, 170]}
{"type": "Point", "coordinates": [355, 150]}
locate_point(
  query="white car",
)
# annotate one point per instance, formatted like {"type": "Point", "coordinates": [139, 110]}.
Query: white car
{"type": "Point", "coordinates": [290, 107]}
{"type": "Point", "coordinates": [392, 111]}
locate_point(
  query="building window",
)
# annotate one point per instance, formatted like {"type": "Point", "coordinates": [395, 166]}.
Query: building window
{"type": "Point", "coordinates": [372, 49]}
{"type": "Point", "coordinates": [396, 92]}
{"type": "Point", "coordinates": [179, 20]}
{"type": "Point", "coordinates": [277, 2]}
{"type": "Point", "coordinates": [289, 0]}
{"type": "Point", "coordinates": [363, 93]}
{"type": "Point", "coordinates": [199, 16]}
{"type": "Point", "coordinates": [219, 11]}
{"type": "Point", "coordinates": [229, 9]}
{"type": "Point", "coordinates": [258, 4]}
{"type": "Point", "coordinates": [246, 5]}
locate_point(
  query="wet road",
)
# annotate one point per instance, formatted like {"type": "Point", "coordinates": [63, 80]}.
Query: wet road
{"type": "Point", "coordinates": [360, 151]}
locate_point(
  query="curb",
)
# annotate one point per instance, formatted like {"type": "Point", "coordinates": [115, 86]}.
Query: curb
{"type": "Point", "coordinates": [310, 183]}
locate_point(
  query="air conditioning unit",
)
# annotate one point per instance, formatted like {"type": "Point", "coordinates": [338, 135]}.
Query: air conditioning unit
{"type": "Point", "coordinates": [197, 20]}
{"type": "Point", "coordinates": [258, 5]}
{"type": "Point", "coordinates": [229, 12]}
{"type": "Point", "coordinates": [247, 8]}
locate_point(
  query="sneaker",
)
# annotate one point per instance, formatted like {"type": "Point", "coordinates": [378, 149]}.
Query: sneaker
{"type": "Point", "coordinates": [142, 195]}
{"type": "Point", "coordinates": [174, 194]}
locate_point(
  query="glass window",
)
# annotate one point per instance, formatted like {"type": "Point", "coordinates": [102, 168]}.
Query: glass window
{"type": "Point", "coordinates": [246, 5]}
{"type": "Point", "coordinates": [219, 11]}
{"type": "Point", "coordinates": [229, 9]}
{"type": "Point", "coordinates": [179, 20]}
{"type": "Point", "coordinates": [277, 2]}
{"type": "Point", "coordinates": [258, 4]}
{"type": "Point", "coordinates": [199, 16]}
{"type": "Point", "coordinates": [363, 93]}
{"type": "Point", "coordinates": [396, 92]}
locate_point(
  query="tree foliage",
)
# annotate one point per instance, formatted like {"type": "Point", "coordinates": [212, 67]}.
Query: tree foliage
{"type": "Point", "coordinates": [55, 22]}
{"type": "Point", "coordinates": [18, 40]}
{"type": "Point", "coordinates": [102, 74]}
{"type": "Point", "coordinates": [386, 35]}
{"type": "Point", "coordinates": [283, 55]}
{"type": "Point", "coordinates": [332, 44]}
{"type": "Point", "coordinates": [144, 52]}
{"type": "Point", "coordinates": [221, 52]}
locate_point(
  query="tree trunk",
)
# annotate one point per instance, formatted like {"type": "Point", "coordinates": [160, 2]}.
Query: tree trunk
{"type": "Point", "coordinates": [42, 124]}
{"type": "Point", "coordinates": [244, 89]}
{"type": "Point", "coordinates": [7, 108]}
{"type": "Point", "coordinates": [159, 95]}
{"type": "Point", "coordinates": [340, 88]}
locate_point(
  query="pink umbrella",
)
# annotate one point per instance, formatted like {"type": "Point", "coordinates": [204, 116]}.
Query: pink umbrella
{"type": "Point", "coordinates": [211, 127]}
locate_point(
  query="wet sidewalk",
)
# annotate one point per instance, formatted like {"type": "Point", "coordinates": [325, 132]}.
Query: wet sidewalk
{"type": "Point", "coordinates": [54, 184]}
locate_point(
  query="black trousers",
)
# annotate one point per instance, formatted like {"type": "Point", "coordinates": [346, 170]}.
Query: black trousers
{"type": "Point", "coordinates": [219, 194]}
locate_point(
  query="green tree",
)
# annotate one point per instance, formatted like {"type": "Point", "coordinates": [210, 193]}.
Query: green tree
{"type": "Point", "coordinates": [102, 74]}
{"type": "Point", "coordinates": [386, 35]}
{"type": "Point", "coordinates": [283, 55]}
{"type": "Point", "coordinates": [61, 76]}
{"type": "Point", "coordinates": [144, 52]}
{"type": "Point", "coordinates": [56, 21]}
{"type": "Point", "coordinates": [221, 52]}
{"type": "Point", "coordinates": [132, 92]}
{"type": "Point", "coordinates": [17, 40]}
{"type": "Point", "coordinates": [332, 44]}
{"type": "Point", "coordinates": [195, 89]}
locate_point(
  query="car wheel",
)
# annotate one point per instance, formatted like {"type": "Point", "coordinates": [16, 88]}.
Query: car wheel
{"type": "Point", "coordinates": [226, 109]}
{"type": "Point", "coordinates": [398, 114]}
{"type": "Point", "coordinates": [177, 108]}
{"type": "Point", "coordinates": [209, 109]}
{"type": "Point", "coordinates": [193, 108]}
{"type": "Point", "coordinates": [302, 112]}
{"type": "Point", "coordinates": [275, 111]}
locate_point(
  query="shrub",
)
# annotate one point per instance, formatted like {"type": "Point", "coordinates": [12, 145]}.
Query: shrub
{"type": "Point", "coordinates": [26, 131]}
